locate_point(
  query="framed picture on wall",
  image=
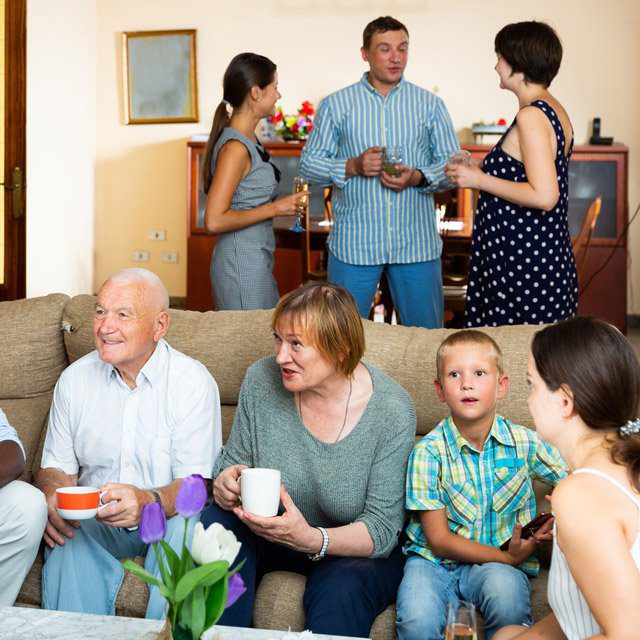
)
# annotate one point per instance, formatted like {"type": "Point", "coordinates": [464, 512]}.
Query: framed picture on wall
{"type": "Point", "coordinates": [160, 78]}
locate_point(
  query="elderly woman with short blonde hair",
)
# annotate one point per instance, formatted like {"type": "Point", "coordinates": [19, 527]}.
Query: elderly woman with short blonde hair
{"type": "Point", "coordinates": [340, 432]}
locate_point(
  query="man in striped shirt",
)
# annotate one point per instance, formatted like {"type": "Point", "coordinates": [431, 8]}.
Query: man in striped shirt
{"type": "Point", "coordinates": [384, 222]}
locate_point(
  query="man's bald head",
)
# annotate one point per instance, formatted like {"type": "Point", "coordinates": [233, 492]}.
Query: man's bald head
{"type": "Point", "coordinates": [156, 290]}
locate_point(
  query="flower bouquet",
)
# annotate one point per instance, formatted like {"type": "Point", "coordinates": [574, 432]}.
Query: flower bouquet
{"type": "Point", "coordinates": [197, 595]}
{"type": "Point", "coordinates": [294, 127]}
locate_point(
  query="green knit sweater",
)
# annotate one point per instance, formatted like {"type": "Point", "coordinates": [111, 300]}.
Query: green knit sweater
{"type": "Point", "coordinates": [361, 478]}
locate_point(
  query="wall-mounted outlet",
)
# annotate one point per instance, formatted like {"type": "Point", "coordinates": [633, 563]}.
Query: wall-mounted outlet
{"type": "Point", "coordinates": [141, 256]}
{"type": "Point", "coordinates": [169, 256]}
{"type": "Point", "coordinates": [157, 234]}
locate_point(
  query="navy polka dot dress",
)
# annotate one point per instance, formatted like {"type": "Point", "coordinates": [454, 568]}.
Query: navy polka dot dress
{"type": "Point", "coordinates": [522, 267]}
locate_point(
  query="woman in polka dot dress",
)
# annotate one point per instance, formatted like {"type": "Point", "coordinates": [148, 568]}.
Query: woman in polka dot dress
{"type": "Point", "coordinates": [522, 266]}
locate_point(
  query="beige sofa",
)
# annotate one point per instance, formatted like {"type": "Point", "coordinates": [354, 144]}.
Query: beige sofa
{"type": "Point", "coordinates": [39, 337]}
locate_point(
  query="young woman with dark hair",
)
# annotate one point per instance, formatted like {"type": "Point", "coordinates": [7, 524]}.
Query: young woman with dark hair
{"type": "Point", "coordinates": [584, 397]}
{"type": "Point", "coordinates": [522, 267]}
{"type": "Point", "coordinates": [241, 185]}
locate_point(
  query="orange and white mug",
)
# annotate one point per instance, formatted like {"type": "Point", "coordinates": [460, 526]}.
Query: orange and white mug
{"type": "Point", "coordinates": [78, 503]}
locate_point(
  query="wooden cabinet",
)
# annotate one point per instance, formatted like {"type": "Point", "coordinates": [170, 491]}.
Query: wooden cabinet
{"type": "Point", "coordinates": [593, 171]}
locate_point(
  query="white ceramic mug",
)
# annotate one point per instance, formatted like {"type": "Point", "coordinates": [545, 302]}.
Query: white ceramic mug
{"type": "Point", "coordinates": [78, 503]}
{"type": "Point", "coordinates": [260, 491]}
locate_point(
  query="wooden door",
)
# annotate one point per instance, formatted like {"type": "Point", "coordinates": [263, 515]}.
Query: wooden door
{"type": "Point", "coordinates": [12, 149]}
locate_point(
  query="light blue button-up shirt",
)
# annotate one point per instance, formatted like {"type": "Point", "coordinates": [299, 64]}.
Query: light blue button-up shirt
{"type": "Point", "coordinates": [373, 224]}
{"type": "Point", "coordinates": [168, 427]}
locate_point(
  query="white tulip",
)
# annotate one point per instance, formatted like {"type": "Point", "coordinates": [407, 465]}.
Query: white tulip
{"type": "Point", "coordinates": [214, 543]}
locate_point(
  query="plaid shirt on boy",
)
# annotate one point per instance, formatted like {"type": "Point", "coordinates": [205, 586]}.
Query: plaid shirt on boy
{"type": "Point", "coordinates": [484, 492]}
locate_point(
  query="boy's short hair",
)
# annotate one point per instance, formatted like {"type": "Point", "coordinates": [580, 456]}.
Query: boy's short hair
{"type": "Point", "coordinates": [381, 25]}
{"type": "Point", "coordinates": [469, 336]}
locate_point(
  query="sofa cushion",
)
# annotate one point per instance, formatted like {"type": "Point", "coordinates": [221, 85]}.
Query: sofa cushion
{"type": "Point", "coordinates": [28, 416]}
{"type": "Point", "coordinates": [408, 355]}
{"type": "Point", "coordinates": [33, 353]}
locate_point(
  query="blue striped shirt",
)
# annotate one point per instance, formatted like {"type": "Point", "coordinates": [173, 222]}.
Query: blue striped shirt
{"type": "Point", "coordinates": [372, 224]}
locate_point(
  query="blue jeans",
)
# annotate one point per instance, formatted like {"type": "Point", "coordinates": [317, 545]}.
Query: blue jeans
{"type": "Point", "coordinates": [84, 574]}
{"type": "Point", "coordinates": [342, 596]}
{"type": "Point", "coordinates": [416, 288]}
{"type": "Point", "coordinates": [500, 592]}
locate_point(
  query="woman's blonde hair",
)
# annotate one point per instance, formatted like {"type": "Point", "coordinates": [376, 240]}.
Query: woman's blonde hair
{"type": "Point", "coordinates": [327, 316]}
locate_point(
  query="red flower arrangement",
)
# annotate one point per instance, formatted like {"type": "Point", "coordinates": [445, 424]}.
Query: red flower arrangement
{"type": "Point", "coordinates": [294, 127]}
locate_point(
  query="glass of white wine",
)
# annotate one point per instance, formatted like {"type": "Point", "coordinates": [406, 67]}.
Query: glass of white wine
{"type": "Point", "coordinates": [391, 156]}
{"type": "Point", "coordinates": [462, 157]}
{"type": "Point", "coordinates": [461, 621]}
{"type": "Point", "coordinates": [300, 184]}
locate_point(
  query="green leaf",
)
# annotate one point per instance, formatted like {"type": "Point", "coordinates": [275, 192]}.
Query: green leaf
{"type": "Point", "coordinates": [237, 567]}
{"type": "Point", "coordinates": [180, 632]}
{"type": "Point", "coordinates": [192, 614]}
{"type": "Point", "coordinates": [205, 575]}
{"type": "Point", "coordinates": [173, 561]}
{"type": "Point", "coordinates": [164, 573]}
{"type": "Point", "coordinates": [216, 601]}
{"type": "Point", "coordinates": [138, 571]}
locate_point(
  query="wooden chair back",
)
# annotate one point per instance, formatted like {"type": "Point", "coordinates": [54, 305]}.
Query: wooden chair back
{"type": "Point", "coordinates": [582, 241]}
{"type": "Point", "coordinates": [314, 268]}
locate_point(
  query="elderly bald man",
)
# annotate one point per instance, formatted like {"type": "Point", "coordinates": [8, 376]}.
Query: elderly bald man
{"type": "Point", "coordinates": [133, 418]}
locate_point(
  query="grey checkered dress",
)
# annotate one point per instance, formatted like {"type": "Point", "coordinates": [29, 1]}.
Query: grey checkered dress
{"type": "Point", "coordinates": [242, 262]}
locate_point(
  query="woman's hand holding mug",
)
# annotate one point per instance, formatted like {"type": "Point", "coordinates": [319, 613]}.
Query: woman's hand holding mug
{"type": "Point", "coordinates": [226, 487]}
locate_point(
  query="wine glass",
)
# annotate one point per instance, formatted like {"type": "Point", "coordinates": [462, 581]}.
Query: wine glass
{"type": "Point", "coordinates": [391, 156]}
{"type": "Point", "coordinates": [461, 621]}
{"type": "Point", "coordinates": [463, 157]}
{"type": "Point", "coordinates": [300, 184]}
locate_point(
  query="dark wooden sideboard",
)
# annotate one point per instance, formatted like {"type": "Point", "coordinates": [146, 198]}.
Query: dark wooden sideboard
{"type": "Point", "coordinates": [594, 171]}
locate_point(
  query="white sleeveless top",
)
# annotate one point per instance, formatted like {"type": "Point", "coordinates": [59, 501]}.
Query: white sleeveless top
{"type": "Point", "coordinates": [565, 598]}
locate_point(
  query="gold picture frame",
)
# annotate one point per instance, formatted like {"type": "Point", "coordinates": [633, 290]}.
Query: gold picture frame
{"type": "Point", "coordinates": [160, 76]}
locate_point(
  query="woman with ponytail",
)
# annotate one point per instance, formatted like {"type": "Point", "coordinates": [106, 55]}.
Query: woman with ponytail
{"type": "Point", "coordinates": [584, 396]}
{"type": "Point", "coordinates": [241, 185]}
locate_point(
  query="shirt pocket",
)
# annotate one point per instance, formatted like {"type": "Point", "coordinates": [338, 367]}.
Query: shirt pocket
{"type": "Point", "coordinates": [461, 502]}
{"type": "Point", "coordinates": [512, 489]}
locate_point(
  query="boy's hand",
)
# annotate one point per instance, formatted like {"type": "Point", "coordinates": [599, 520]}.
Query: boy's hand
{"type": "Point", "coordinates": [519, 550]}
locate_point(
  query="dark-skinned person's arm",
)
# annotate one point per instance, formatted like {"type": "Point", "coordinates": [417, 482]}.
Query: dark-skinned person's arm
{"type": "Point", "coordinates": [11, 461]}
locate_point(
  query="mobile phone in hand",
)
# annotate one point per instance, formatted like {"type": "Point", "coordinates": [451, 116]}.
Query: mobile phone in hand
{"type": "Point", "coordinates": [529, 529]}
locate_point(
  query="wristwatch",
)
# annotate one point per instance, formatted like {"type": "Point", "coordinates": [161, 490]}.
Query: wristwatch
{"type": "Point", "coordinates": [323, 550]}
{"type": "Point", "coordinates": [156, 495]}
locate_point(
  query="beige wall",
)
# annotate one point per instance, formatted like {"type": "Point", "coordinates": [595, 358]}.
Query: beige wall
{"type": "Point", "coordinates": [61, 145]}
{"type": "Point", "coordinates": [140, 170]}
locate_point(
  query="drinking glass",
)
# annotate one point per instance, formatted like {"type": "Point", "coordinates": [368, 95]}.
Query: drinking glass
{"type": "Point", "coordinates": [461, 621]}
{"type": "Point", "coordinates": [462, 157]}
{"type": "Point", "coordinates": [391, 156]}
{"type": "Point", "coordinates": [300, 184]}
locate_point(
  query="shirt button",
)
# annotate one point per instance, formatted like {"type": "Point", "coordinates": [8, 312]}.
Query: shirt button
{"type": "Point", "coordinates": [126, 464]}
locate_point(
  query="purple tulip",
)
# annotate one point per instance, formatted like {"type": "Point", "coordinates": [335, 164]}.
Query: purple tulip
{"type": "Point", "coordinates": [236, 589]}
{"type": "Point", "coordinates": [191, 496]}
{"type": "Point", "coordinates": [153, 524]}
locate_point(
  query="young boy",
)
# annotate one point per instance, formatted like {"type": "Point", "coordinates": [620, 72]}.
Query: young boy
{"type": "Point", "coordinates": [469, 489]}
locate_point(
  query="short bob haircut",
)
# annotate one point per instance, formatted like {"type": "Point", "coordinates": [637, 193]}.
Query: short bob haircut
{"type": "Point", "coordinates": [381, 25]}
{"type": "Point", "coordinates": [327, 316]}
{"type": "Point", "coordinates": [532, 48]}
{"type": "Point", "coordinates": [468, 337]}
